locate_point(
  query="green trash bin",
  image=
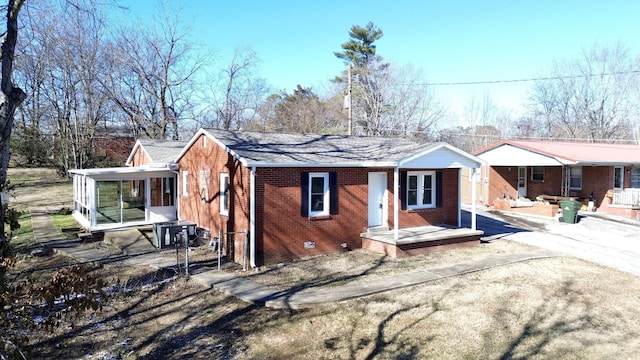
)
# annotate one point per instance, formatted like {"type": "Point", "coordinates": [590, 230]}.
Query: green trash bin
{"type": "Point", "coordinates": [570, 211]}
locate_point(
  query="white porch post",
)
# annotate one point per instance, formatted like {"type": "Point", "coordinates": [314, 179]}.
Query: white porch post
{"type": "Point", "coordinates": [473, 198]}
{"type": "Point", "coordinates": [396, 202]}
{"type": "Point", "coordinates": [252, 218]}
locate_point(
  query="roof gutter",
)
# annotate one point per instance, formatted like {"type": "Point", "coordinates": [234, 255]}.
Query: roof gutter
{"type": "Point", "coordinates": [366, 164]}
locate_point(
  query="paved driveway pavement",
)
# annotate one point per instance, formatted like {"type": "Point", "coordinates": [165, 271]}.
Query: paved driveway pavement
{"type": "Point", "coordinates": [606, 240]}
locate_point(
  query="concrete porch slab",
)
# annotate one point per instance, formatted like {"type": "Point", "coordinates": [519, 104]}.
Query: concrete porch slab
{"type": "Point", "coordinates": [419, 240]}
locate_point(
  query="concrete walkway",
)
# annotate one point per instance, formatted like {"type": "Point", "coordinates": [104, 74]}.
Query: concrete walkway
{"type": "Point", "coordinates": [297, 299]}
{"type": "Point", "coordinates": [141, 252]}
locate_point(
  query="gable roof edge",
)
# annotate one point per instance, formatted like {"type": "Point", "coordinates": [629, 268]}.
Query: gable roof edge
{"type": "Point", "coordinates": [137, 145]}
{"type": "Point", "coordinates": [204, 132]}
{"type": "Point", "coordinates": [439, 146]}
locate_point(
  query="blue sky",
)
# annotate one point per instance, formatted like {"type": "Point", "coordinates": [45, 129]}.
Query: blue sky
{"type": "Point", "coordinates": [451, 41]}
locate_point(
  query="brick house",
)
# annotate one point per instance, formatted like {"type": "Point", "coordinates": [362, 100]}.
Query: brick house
{"type": "Point", "coordinates": [302, 195]}
{"type": "Point", "coordinates": [554, 170]}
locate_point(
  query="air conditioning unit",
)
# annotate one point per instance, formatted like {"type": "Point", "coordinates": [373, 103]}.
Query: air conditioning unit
{"type": "Point", "coordinates": [165, 233]}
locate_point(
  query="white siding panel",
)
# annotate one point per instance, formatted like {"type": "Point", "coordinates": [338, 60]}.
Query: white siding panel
{"type": "Point", "coordinates": [442, 158]}
{"type": "Point", "coordinates": [507, 155]}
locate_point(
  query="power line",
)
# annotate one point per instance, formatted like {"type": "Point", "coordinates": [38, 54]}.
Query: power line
{"type": "Point", "coordinates": [564, 77]}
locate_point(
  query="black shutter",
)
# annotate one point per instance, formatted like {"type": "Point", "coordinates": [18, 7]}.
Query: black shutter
{"type": "Point", "coordinates": [438, 188]}
{"type": "Point", "coordinates": [403, 190]}
{"type": "Point", "coordinates": [333, 193]}
{"type": "Point", "coordinates": [304, 194]}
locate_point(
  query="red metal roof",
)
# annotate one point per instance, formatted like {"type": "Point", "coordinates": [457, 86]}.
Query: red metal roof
{"type": "Point", "coordinates": [577, 152]}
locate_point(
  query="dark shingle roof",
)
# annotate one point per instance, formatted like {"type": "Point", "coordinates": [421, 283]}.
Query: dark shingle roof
{"type": "Point", "coordinates": [162, 151]}
{"type": "Point", "coordinates": [279, 148]}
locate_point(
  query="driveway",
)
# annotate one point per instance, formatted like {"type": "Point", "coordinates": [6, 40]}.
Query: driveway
{"type": "Point", "coordinates": [607, 240]}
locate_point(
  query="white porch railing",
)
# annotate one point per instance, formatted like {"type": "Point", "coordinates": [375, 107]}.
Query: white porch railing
{"type": "Point", "coordinates": [628, 197]}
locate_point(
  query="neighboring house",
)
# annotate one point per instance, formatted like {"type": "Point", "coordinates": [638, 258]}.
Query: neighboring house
{"type": "Point", "coordinates": [549, 169]}
{"type": "Point", "coordinates": [301, 195]}
{"type": "Point", "coordinates": [113, 148]}
{"type": "Point", "coordinates": [142, 193]}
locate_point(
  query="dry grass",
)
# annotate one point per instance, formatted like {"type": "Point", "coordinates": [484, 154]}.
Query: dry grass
{"type": "Point", "coordinates": [551, 308]}
{"type": "Point", "coordinates": [39, 187]}
{"type": "Point", "coordinates": [340, 269]}
{"type": "Point", "coordinates": [560, 308]}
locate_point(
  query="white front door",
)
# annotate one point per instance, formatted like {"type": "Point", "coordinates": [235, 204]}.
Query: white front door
{"type": "Point", "coordinates": [522, 182]}
{"type": "Point", "coordinates": [377, 199]}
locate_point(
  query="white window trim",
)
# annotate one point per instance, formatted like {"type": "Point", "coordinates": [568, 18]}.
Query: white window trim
{"type": "Point", "coordinates": [621, 177]}
{"type": "Point", "coordinates": [224, 188]}
{"type": "Point", "coordinates": [185, 183]}
{"type": "Point", "coordinates": [570, 176]}
{"type": "Point", "coordinates": [532, 173]}
{"type": "Point", "coordinates": [326, 206]}
{"type": "Point", "coordinates": [421, 175]}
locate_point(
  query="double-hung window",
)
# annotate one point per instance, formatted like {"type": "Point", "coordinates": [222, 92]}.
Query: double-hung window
{"type": "Point", "coordinates": [635, 178]}
{"type": "Point", "coordinates": [537, 173]}
{"type": "Point", "coordinates": [224, 193]}
{"type": "Point", "coordinates": [618, 177]}
{"type": "Point", "coordinates": [575, 178]}
{"type": "Point", "coordinates": [421, 189]}
{"type": "Point", "coordinates": [318, 194]}
{"type": "Point", "coordinates": [185, 183]}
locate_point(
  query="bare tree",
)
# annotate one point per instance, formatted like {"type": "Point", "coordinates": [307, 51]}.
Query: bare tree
{"type": "Point", "coordinates": [237, 92]}
{"type": "Point", "coordinates": [303, 111]}
{"type": "Point", "coordinates": [414, 103]}
{"type": "Point", "coordinates": [155, 77]}
{"type": "Point", "coordinates": [590, 97]}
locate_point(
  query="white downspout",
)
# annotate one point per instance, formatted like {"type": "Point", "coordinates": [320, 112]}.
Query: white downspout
{"type": "Point", "coordinates": [473, 198]}
{"type": "Point", "coordinates": [252, 218]}
{"type": "Point", "coordinates": [396, 202]}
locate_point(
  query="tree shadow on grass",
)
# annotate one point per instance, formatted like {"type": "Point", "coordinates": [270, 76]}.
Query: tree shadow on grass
{"type": "Point", "coordinates": [551, 322]}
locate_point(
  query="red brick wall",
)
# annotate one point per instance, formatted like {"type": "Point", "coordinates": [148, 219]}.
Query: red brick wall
{"type": "Point", "coordinates": [139, 157]}
{"type": "Point", "coordinates": [285, 230]}
{"type": "Point", "coordinates": [205, 210]}
{"type": "Point", "coordinates": [598, 179]}
{"type": "Point", "coordinates": [117, 148]}
{"type": "Point", "coordinates": [447, 214]}
{"type": "Point", "coordinates": [551, 185]}
{"type": "Point", "coordinates": [502, 180]}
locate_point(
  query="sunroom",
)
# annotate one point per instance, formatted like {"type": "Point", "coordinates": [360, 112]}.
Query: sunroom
{"type": "Point", "coordinates": [120, 197]}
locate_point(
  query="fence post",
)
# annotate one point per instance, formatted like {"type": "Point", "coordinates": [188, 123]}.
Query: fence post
{"type": "Point", "coordinates": [186, 251]}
